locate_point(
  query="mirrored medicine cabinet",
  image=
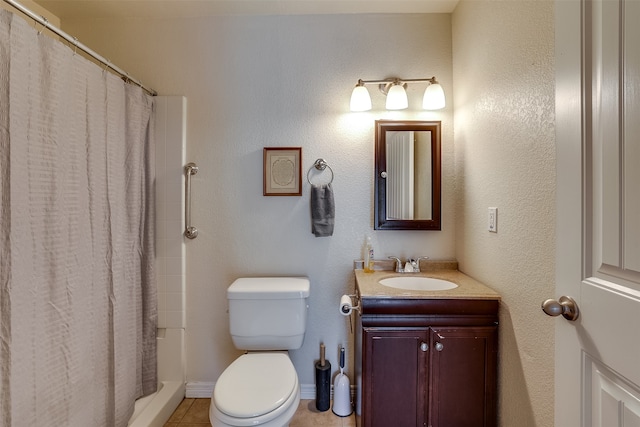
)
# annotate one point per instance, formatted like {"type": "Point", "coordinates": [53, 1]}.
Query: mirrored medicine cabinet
{"type": "Point", "coordinates": [407, 175]}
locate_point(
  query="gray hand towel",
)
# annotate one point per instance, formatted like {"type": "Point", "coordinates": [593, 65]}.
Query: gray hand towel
{"type": "Point", "coordinates": [322, 210]}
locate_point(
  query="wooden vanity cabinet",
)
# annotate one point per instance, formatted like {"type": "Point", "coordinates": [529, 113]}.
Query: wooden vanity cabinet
{"type": "Point", "coordinates": [462, 384]}
{"type": "Point", "coordinates": [395, 376]}
{"type": "Point", "coordinates": [428, 369]}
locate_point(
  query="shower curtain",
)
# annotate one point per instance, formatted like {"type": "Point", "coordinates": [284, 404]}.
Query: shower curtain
{"type": "Point", "coordinates": [77, 287]}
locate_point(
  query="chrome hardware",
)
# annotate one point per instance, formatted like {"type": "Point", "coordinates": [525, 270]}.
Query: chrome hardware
{"type": "Point", "coordinates": [383, 174]}
{"type": "Point", "coordinates": [399, 268]}
{"type": "Point", "coordinates": [439, 346]}
{"type": "Point", "coordinates": [190, 231]}
{"type": "Point", "coordinates": [424, 346]}
{"type": "Point", "coordinates": [412, 265]}
{"type": "Point", "coordinates": [408, 267]}
{"type": "Point", "coordinates": [320, 164]}
{"type": "Point", "coordinates": [566, 306]}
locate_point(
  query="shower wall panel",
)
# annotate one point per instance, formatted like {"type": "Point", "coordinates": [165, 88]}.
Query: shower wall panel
{"type": "Point", "coordinates": [170, 160]}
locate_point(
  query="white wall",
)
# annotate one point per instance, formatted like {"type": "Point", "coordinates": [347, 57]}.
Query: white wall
{"type": "Point", "coordinates": [505, 158]}
{"type": "Point", "coordinates": [254, 82]}
{"type": "Point", "coordinates": [285, 81]}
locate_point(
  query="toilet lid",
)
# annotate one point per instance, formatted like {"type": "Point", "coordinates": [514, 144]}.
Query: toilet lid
{"type": "Point", "coordinates": [255, 384]}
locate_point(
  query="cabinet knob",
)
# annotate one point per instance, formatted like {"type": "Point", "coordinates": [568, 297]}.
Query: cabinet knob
{"type": "Point", "coordinates": [439, 346]}
{"type": "Point", "coordinates": [424, 346]}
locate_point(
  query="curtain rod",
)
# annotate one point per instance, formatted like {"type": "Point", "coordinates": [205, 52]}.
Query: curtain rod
{"type": "Point", "coordinates": [74, 41]}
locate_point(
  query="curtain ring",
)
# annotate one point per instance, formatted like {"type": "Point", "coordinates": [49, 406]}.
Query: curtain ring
{"type": "Point", "coordinates": [45, 25]}
{"type": "Point", "coordinates": [106, 66]}
{"type": "Point", "coordinates": [125, 78]}
{"type": "Point", "coordinates": [75, 45]}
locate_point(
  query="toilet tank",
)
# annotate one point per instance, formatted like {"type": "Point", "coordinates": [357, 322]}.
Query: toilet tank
{"type": "Point", "coordinates": [268, 313]}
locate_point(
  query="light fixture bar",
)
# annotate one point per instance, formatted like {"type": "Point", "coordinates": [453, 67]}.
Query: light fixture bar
{"type": "Point", "coordinates": [393, 79]}
{"type": "Point", "coordinates": [433, 98]}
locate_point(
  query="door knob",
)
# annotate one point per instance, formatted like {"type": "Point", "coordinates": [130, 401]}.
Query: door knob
{"type": "Point", "coordinates": [566, 306]}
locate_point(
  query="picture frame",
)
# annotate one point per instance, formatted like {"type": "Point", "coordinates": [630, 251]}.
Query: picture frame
{"type": "Point", "coordinates": [282, 171]}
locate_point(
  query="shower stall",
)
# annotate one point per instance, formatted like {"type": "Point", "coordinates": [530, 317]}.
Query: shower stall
{"type": "Point", "coordinates": [170, 137]}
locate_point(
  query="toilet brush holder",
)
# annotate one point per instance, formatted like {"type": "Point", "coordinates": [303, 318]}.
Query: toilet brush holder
{"type": "Point", "coordinates": [342, 391]}
{"type": "Point", "coordinates": [342, 396]}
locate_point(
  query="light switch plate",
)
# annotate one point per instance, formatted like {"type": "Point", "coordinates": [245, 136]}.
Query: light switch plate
{"type": "Point", "coordinates": [493, 220]}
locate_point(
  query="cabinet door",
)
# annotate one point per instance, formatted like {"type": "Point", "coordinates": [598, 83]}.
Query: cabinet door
{"type": "Point", "coordinates": [462, 388]}
{"type": "Point", "coordinates": [395, 377]}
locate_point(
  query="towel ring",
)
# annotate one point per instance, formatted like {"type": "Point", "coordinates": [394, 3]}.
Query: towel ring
{"type": "Point", "coordinates": [320, 165]}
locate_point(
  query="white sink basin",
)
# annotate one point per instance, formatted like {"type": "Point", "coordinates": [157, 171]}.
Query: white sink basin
{"type": "Point", "coordinates": [418, 283]}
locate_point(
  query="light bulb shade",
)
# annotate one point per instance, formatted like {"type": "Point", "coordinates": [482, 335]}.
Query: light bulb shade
{"type": "Point", "coordinates": [397, 98]}
{"type": "Point", "coordinates": [433, 97]}
{"type": "Point", "coordinates": [360, 99]}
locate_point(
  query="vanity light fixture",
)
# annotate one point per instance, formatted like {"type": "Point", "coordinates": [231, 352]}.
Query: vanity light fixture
{"type": "Point", "coordinates": [397, 97]}
{"type": "Point", "coordinates": [394, 89]}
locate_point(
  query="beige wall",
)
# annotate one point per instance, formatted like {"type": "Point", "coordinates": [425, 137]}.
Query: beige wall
{"type": "Point", "coordinates": [252, 82]}
{"type": "Point", "coordinates": [505, 158]}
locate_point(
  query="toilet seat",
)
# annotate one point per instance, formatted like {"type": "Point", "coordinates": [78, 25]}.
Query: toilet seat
{"type": "Point", "coordinates": [255, 389]}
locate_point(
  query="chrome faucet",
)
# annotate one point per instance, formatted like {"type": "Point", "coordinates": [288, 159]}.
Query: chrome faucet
{"type": "Point", "coordinates": [411, 266]}
{"type": "Point", "coordinates": [399, 268]}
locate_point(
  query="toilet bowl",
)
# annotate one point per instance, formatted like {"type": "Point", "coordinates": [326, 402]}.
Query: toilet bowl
{"type": "Point", "coordinates": [257, 389]}
{"type": "Point", "coordinates": [267, 317]}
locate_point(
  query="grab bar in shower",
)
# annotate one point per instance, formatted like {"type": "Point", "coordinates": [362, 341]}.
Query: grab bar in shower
{"type": "Point", "coordinates": [190, 231]}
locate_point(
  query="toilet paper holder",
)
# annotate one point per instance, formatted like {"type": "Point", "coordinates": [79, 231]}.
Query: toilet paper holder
{"type": "Point", "coordinates": [346, 304]}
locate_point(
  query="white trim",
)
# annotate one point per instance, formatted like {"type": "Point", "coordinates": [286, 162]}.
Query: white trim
{"type": "Point", "coordinates": [308, 391]}
{"type": "Point", "coordinates": [199, 390]}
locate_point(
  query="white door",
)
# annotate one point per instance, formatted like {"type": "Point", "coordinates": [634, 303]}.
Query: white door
{"type": "Point", "coordinates": [598, 225]}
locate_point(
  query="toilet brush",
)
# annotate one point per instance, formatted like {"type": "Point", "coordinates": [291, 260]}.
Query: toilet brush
{"type": "Point", "coordinates": [342, 391]}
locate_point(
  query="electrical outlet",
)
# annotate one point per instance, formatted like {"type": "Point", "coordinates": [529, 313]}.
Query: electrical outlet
{"type": "Point", "coordinates": [493, 220]}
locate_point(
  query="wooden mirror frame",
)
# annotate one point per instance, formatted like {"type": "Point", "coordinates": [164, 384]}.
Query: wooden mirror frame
{"type": "Point", "coordinates": [380, 210]}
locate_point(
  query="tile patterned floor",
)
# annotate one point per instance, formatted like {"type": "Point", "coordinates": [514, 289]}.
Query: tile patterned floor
{"type": "Point", "coordinates": [195, 413]}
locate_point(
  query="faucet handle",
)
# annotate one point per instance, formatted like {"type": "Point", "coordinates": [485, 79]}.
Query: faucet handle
{"type": "Point", "coordinates": [398, 264]}
{"type": "Point", "coordinates": [416, 267]}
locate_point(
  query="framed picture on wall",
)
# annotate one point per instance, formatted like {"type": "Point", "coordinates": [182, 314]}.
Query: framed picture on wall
{"type": "Point", "coordinates": [282, 171]}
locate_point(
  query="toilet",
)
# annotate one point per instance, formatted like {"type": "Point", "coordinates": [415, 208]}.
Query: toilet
{"type": "Point", "coordinates": [267, 317]}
